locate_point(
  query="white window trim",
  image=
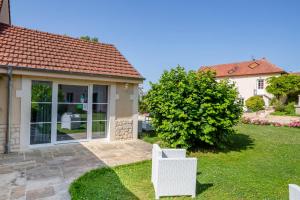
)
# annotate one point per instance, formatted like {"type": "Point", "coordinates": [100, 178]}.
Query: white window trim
{"type": "Point", "coordinates": [258, 80]}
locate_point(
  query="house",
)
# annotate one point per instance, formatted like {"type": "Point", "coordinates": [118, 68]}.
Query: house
{"type": "Point", "coordinates": [249, 76]}
{"type": "Point", "coordinates": [57, 89]}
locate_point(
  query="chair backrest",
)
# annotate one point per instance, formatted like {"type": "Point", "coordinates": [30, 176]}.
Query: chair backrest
{"type": "Point", "coordinates": [173, 153]}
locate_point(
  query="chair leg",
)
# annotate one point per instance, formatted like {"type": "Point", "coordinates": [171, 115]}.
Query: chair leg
{"type": "Point", "coordinates": [156, 196]}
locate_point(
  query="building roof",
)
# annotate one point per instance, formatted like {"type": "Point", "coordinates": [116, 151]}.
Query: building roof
{"type": "Point", "coordinates": [254, 67]}
{"type": "Point", "coordinates": [1, 2]}
{"type": "Point", "coordinates": [297, 73]}
{"type": "Point", "coordinates": [30, 49]}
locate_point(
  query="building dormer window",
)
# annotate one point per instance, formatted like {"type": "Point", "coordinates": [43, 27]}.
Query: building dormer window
{"type": "Point", "coordinates": [260, 84]}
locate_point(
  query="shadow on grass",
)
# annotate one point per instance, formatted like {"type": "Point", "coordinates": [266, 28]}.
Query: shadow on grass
{"type": "Point", "coordinates": [238, 142]}
{"type": "Point", "coordinates": [101, 183]}
{"type": "Point", "coordinates": [201, 187]}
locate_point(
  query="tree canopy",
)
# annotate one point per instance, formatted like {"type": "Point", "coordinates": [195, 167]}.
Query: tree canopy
{"type": "Point", "coordinates": [89, 39]}
{"type": "Point", "coordinates": [284, 86]}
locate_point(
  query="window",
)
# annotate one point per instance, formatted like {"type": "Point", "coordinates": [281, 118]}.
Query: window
{"type": "Point", "coordinates": [72, 110]}
{"type": "Point", "coordinates": [41, 105]}
{"type": "Point", "coordinates": [99, 118]}
{"type": "Point", "coordinates": [260, 84]}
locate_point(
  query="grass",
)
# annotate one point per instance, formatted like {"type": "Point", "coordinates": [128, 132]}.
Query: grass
{"type": "Point", "coordinates": [260, 164]}
{"type": "Point", "coordinates": [278, 113]}
{"type": "Point", "coordinates": [150, 137]}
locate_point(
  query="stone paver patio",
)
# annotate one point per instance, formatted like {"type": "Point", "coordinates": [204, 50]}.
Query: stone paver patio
{"type": "Point", "coordinates": [46, 173]}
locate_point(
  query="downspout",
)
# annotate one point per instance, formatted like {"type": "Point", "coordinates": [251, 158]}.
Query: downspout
{"type": "Point", "coordinates": [9, 110]}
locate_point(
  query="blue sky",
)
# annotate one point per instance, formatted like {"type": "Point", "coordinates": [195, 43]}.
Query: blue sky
{"type": "Point", "coordinates": [159, 34]}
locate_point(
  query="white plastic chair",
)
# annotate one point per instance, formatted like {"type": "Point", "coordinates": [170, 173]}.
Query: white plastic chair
{"type": "Point", "coordinates": [294, 192]}
{"type": "Point", "coordinates": [172, 173]}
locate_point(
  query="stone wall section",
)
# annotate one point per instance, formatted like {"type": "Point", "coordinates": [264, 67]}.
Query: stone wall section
{"type": "Point", "coordinates": [124, 129]}
{"type": "Point", "coordinates": [14, 138]}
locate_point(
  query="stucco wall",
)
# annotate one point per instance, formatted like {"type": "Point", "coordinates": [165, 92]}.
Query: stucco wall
{"type": "Point", "coordinates": [124, 101]}
{"type": "Point", "coordinates": [4, 13]}
{"type": "Point", "coordinates": [16, 100]}
{"type": "Point", "coordinates": [247, 84]}
{"type": "Point", "coordinates": [16, 106]}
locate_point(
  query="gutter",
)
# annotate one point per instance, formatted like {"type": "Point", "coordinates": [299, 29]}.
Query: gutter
{"type": "Point", "coordinates": [9, 110]}
{"type": "Point", "coordinates": [28, 69]}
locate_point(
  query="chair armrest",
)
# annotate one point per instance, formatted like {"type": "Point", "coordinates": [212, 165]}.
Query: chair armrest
{"type": "Point", "coordinates": [174, 153]}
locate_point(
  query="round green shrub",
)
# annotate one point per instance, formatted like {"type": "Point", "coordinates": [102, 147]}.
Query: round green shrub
{"type": "Point", "coordinates": [255, 103]}
{"type": "Point", "coordinates": [290, 108]}
{"type": "Point", "coordinates": [191, 109]}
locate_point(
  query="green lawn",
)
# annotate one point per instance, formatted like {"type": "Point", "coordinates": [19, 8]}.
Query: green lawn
{"type": "Point", "coordinates": [260, 164]}
{"type": "Point", "coordinates": [278, 113]}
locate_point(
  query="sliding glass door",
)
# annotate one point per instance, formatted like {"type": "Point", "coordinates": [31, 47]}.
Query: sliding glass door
{"type": "Point", "coordinates": [61, 112]}
{"type": "Point", "coordinates": [72, 110]}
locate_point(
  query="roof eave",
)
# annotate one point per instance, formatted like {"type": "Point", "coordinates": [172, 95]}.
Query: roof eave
{"type": "Point", "coordinates": [233, 75]}
{"type": "Point", "coordinates": [73, 73]}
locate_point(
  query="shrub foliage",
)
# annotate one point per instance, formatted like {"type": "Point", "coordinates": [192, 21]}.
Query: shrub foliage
{"type": "Point", "coordinates": [189, 109]}
{"type": "Point", "coordinates": [285, 87]}
{"type": "Point", "coordinates": [255, 103]}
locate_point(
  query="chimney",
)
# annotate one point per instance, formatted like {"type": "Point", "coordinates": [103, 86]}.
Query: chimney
{"type": "Point", "coordinates": [5, 12]}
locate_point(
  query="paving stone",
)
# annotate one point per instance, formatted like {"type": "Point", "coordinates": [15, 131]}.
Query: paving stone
{"type": "Point", "coordinates": [46, 173]}
{"type": "Point", "coordinates": [17, 192]}
{"type": "Point", "coordinates": [40, 193]}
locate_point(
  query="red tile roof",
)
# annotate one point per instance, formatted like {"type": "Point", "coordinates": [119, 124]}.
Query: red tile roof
{"type": "Point", "coordinates": [246, 68]}
{"type": "Point", "coordinates": [297, 73]}
{"type": "Point", "coordinates": [29, 49]}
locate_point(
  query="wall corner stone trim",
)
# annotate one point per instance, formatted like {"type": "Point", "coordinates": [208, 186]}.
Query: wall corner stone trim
{"type": "Point", "coordinates": [124, 129]}
{"type": "Point", "coordinates": [14, 138]}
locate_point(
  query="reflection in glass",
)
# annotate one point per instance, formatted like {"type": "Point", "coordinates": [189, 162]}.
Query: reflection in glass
{"type": "Point", "coordinates": [41, 91]}
{"type": "Point", "coordinates": [41, 112]}
{"type": "Point", "coordinates": [72, 94]}
{"type": "Point", "coordinates": [98, 129]}
{"type": "Point", "coordinates": [72, 131]}
{"type": "Point", "coordinates": [72, 112]}
{"type": "Point", "coordinates": [99, 111]}
{"type": "Point", "coordinates": [40, 133]}
{"type": "Point", "coordinates": [41, 104]}
{"type": "Point", "coordinates": [100, 94]}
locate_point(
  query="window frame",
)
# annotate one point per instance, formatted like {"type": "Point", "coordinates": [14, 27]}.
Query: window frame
{"type": "Point", "coordinates": [40, 122]}
{"type": "Point", "coordinates": [260, 84]}
{"type": "Point", "coordinates": [107, 111]}
{"type": "Point", "coordinates": [54, 111]}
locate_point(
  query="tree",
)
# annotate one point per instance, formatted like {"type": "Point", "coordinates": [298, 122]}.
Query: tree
{"type": "Point", "coordinates": [255, 103]}
{"type": "Point", "coordinates": [284, 87]}
{"type": "Point", "coordinates": [142, 105]}
{"type": "Point", "coordinates": [189, 109]}
{"type": "Point", "coordinates": [89, 39]}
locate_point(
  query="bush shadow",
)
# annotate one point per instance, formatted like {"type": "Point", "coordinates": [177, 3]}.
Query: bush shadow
{"type": "Point", "coordinates": [238, 142]}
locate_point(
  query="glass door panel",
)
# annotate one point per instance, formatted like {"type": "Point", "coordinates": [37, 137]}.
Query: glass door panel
{"type": "Point", "coordinates": [99, 117]}
{"type": "Point", "coordinates": [72, 110]}
{"type": "Point", "coordinates": [41, 105]}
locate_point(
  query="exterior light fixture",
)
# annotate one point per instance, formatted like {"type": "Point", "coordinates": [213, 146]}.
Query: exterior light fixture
{"type": "Point", "coordinates": [126, 86]}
